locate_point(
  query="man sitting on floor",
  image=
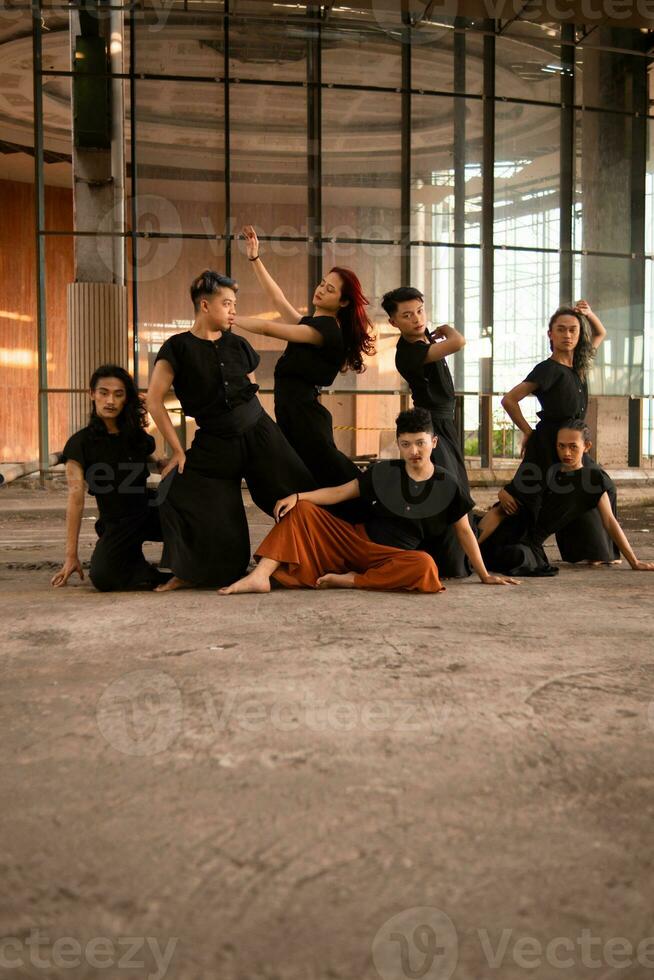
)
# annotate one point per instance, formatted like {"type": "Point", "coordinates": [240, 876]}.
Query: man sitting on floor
{"type": "Point", "coordinates": [409, 499]}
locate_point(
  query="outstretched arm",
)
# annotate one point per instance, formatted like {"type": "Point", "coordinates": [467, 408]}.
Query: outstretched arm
{"type": "Point", "coordinates": [325, 496]}
{"type": "Point", "coordinates": [74, 511]}
{"type": "Point", "coordinates": [468, 542]}
{"type": "Point", "coordinates": [452, 342]}
{"type": "Point", "coordinates": [270, 287]}
{"type": "Point", "coordinates": [597, 327]}
{"type": "Point", "coordinates": [160, 384]}
{"type": "Point", "coordinates": [298, 333]}
{"type": "Point", "coordinates": [617, 535]}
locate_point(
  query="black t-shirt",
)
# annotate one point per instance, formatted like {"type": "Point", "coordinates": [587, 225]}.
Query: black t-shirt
{"type": "Point", "coordinates": [115, 468]}
{"type": "Point", "coordinates": [405, 512]}
{"type": "Point", "coordinates": [568, 495]}
{"type": "Point", "coordinates": [430, 383]}
{"type": "Point", "coordinates": [310, 363]}
{"type": "Point", "coordinates": [561, 392]}
{"type": "Point", "coordinates": [210, 375]}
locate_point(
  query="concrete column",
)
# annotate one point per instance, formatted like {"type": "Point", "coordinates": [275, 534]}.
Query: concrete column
{"type": "Point", "coordinates": [608, 420]}
{"type": "Point", "coordinates": [97, 334]}
{"type": "Point", "coordinates": [612, 193]}
{"type": "Point", "coordinates": [97, 299]}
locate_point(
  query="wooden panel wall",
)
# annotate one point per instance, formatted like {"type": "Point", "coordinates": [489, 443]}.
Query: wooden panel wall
{"type": "Point", "coordinates": [167, 268]}
{"type": "Point", "coordinates": [18, 339]}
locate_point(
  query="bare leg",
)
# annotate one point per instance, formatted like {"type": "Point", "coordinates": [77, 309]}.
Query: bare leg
{"type": "Point", "coordinates": [334, 581]}
{"type": "Point", "coordinates": [257, 581]}
{"type": "Point", "coordinates": [490, 522]}
{"type": "Point", "coordinates": [172, 584]}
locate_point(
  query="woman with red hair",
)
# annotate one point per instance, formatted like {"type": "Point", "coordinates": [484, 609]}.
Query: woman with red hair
{"type": "Point", "coordinates": [335, 338]}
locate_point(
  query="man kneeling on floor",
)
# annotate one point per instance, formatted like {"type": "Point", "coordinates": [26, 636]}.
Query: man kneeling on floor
{"type": "Point", "coordinates": [409, 500]}
{"type": "Point", "coordinates": [110, 457]}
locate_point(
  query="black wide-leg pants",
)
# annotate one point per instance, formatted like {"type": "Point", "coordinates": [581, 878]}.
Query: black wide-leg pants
{"type": "Point", "coordinates": [202, 513]}
{"type": "Point", "coordinates": [118, 563]}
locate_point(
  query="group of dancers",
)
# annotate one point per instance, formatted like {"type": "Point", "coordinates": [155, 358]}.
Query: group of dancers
{"type": "Point", "coordinates": [401, 524]}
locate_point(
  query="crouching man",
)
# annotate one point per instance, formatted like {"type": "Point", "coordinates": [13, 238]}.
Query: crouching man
{"type": "Point", "coordinates": [110, 457]}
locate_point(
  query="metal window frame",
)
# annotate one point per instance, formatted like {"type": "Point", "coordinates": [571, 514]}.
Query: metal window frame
{"type": "Point", "coordinates": [315, 239]}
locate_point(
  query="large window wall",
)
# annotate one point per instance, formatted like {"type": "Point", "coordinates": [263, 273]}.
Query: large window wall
{"type": "Point", "coordinates": [501, 167]}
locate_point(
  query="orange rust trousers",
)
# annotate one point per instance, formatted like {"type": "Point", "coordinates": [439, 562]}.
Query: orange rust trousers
{"type": "Point", "coordinates": [309, 542]}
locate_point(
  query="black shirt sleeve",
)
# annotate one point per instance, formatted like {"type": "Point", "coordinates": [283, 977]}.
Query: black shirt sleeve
{"type": "Point", "coordinates": [410, 358]}
{"type": "Point", "coordinates": [253, 359]}
{"type": "Point", "coordinates": [74, 449]}
{"type": "Point", "coordinates": [460, 505]}
{"type": "Point", "coordinates": [150, 444]}
{"type": "Point", "coordinates": [327, 327]}
{"type": "Point", "coordinates": [543, 376]}
{"type": "Point", "coordinates": [366, 488]}
{"type": "Point", "coordinates": [168, 353]}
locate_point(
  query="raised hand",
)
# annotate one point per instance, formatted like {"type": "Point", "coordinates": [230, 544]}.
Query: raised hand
{"type": "Point", "coordinates": [581, 306]}
{"type": "Point", "coordinates": [251, 241]}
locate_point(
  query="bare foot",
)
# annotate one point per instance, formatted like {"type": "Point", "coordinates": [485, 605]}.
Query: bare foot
{"type": "Point", "coordinates": [333, 581]}
{"type": "Point", "coordinates": [256, 581]}
{"type": "Point", "coordinates": [172, 584]}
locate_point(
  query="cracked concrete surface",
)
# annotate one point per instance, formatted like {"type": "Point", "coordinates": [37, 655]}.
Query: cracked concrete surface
{"type": "Point", "coordinates": [286, 785]}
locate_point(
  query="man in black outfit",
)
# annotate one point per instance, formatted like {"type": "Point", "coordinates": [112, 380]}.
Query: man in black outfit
{"type": "Point", "coordinates": [110, 457]}
{"type": "Point", "coordinates": [420, 360]}
{"type": "Point", "coordinates": [573, 486]}
{"type": "Point", "coordinates": [212, 371]}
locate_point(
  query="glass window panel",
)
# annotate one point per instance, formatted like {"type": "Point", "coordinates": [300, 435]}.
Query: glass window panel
{"type": "Point", "coordinates": [446, 60]}
{"type": "Point", "coordinates": [450, 280]}
{"type": "Point", "coordinates": [356, 53]}
{"type": "Point", "coordinates": [528, 62]}
{"type": "Point", "coordinates": [604, 78]}
{"type": "Point", "coordinates": [434, 122]}
{"type": "Point", "coordinates": [180, 157]}
{"type": "Point", "coordinates": [602, 182]}
{"type": "Point", "coordinates": [608, 283]}
{"type": "Point", "coordinates": [526, 293]}
{"type": "Point", "coordinates": [165, 270]}
{"type": "Point", "coordinates": [269, 45]}
{"type": "Point", "coordinates": [361, 163]}
{"type": "Point", "coordinates": [269, 178]}
{"type": "Point", "coordinates": [527, 175]}
{"type": "Point", "coordinates": [174, 42]}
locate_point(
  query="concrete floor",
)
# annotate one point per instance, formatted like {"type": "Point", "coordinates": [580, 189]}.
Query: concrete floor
{"type": "Point", "coordinates": [325, 786]}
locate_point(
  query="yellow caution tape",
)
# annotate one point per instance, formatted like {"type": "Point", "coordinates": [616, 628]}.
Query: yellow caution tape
{"type": "Point", "coordinates": [362, 428]}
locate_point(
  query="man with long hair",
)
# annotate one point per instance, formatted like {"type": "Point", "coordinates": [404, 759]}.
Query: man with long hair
{"type": "Point", "coordinates": [573, 486]}
{"type": "Point", "coordinates": [212, 371]}
{"type": "Point", "coordinates": [110, 457]}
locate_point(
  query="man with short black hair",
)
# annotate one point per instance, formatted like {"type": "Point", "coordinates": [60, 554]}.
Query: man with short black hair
{"type": "Point", "coordinates": [212, 371]}
{"type": "Point", "coordinates": [410, 499]}
{"type": "Point", "coordinates": [420, 358]}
